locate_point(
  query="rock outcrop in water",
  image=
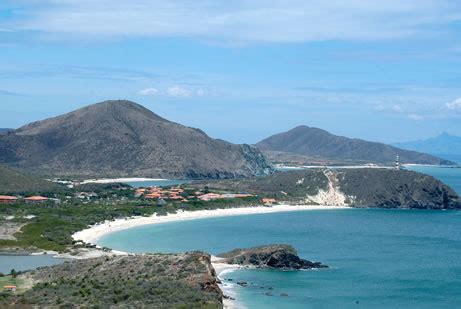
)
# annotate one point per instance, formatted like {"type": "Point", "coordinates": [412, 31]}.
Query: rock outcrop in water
{"type": "Point", "coordinates": [282, 257]}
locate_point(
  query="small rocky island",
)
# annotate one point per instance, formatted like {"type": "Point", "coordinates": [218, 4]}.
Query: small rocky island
{"type": "Point", "coordinates": [283, 257]}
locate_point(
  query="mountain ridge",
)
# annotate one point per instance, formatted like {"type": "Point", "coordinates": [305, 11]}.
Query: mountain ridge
{"type": "Point", "coordinates": [319, 144]}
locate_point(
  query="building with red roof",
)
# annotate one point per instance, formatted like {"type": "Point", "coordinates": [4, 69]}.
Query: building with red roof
{"type": "Point", "coordinates": [6, 199]}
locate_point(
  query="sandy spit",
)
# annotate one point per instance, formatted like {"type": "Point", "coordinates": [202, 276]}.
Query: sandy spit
{"type": "Point", "coordinates": [112, 180]}
{"type": "Point", "coordinates": [93, 233]}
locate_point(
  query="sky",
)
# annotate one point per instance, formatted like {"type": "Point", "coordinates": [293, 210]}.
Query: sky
{"type": "Point", "coordinates": [241, 70]}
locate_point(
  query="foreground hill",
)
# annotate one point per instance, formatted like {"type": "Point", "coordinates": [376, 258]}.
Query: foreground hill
{"type": "Point", "coordinates": [319, 146]}
{"type": "Point", "coordinates": [185, 280]}
{"type": "Point", "coordinates": [122, 138]}
{"type": "Point", "coordinates": [383, 188]}
{"type": "Point", "coordinates": [12, 181]}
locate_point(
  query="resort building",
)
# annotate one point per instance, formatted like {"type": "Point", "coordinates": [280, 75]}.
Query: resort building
{"type": "Point", "coordinates": [36, 199]}
{"type": "Point", "coordinates": [268, 201]}
{"type": "Point", "coordinates": [9, 288]}
{"type": "Point", "coordinates": [6, 199]}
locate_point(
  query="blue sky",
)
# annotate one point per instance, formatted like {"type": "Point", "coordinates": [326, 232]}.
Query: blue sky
{"type": "Point", "coordinates": [242, 71]}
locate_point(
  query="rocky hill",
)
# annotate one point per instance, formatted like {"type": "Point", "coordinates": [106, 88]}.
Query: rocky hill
{"type": "Point", "coordinates": [383, 188]}
{"type": "Point", "coordinates": [319, 146]}
{"type": "Point", "coordinates": [122, 138]}
{"type": "Point", "coordinates": [185, 280]}
{"type": "Point", "coordinates": [13, 181]}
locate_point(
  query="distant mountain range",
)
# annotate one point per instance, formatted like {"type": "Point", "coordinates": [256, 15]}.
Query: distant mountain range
{"type": "Point", "coordinates": [309, 145]}
{"type": "Point", "coordinates": [121, 139]}
{"type": "Point", "coordinates": [443, 144]}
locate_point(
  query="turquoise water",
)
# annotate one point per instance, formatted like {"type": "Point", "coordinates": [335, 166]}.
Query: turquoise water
{"type": "Point", "coordinates": [26, 262]}
{"type": "Point", "coordinates": [380, 258]}
{"type": "Point", "coordinates": [377, 258]}
{"type": "Point", "coordinates": [158, 183]}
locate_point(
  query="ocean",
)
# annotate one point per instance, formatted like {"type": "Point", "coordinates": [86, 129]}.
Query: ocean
{"type": "Point", "coordinates": [377, 258]}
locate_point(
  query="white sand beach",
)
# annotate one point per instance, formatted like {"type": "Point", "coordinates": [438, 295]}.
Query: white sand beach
{"type": "Point", "coordinates": [95, 232]}
{"type": "Point", "coordinates": [112, 180]}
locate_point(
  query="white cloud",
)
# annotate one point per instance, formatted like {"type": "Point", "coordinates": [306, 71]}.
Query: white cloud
{"type": "Point", "coordinates": [240, 20]}
{"type": "Point", "coordinates": [455, 104]}
{"type": "Point", "coordinates": [415, 117]}
{"type": "Point", "coordinates": [178, 91]}
{"type": "Point", "coordinates": [393, 108]}
{"type": "Point", "coordinates": [149, 91]}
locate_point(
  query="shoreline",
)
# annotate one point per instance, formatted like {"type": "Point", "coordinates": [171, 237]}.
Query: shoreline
{"type": "Point", "coordinates": [95, 232]}
{"type": "Point", "coordinates": [114, 180]}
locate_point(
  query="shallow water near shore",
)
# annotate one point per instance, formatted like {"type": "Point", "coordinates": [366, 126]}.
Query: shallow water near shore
{"type": "Point", "coordinates": [26, 262]}
{"type": "Point", "coordinates": [380, 258]}
{"type": "Point", "coordinates": [377, 258]}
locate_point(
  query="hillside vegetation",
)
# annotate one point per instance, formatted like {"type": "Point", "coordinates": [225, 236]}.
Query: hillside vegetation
{"type": "Point", "coordinates": [361, 187]}
{"type": "Point", "coordinates": [13, 182]}
{"type": "Point", "coordinates": [143, 281]}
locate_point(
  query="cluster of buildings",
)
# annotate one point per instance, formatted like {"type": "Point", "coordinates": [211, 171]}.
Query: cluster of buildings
{"type": "Point", "coordinates": [7, 199]}
{"type": "Point", "coordinates": [177, 194]}
{"type": "Point", "coordinates": [161, 195]}
{"type": "Point", "coordinates": [157, 193]}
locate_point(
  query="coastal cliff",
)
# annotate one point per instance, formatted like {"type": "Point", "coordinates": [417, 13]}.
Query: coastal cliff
{"type": "Point", "coordinates": [360, 187]}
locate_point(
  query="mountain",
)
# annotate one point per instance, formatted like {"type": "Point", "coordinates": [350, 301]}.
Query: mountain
{"type": "Point", "coordinates": [12, 181]}
{"type": "Point", "coordinates": [356, 187]}
{"type": "Point", "coordinates": [319, 145]}
{"type": "Point", "coordinates": [443, 144]}
{"type": "Point", "coordinates": [123, 139]}
{"type": "Point", "coordinates": [5, 130]}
